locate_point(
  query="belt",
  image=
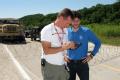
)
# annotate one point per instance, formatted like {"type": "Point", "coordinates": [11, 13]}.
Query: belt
{"type": "Point", "coordinates": [77, 61]}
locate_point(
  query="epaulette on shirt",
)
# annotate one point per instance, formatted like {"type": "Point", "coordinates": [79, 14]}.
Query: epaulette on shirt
{"type": "Point", "coordinates": [84, 28]}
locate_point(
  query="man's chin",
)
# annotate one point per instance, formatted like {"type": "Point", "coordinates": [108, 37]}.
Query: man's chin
{"type": "Point", "coordinates": [75, 27]}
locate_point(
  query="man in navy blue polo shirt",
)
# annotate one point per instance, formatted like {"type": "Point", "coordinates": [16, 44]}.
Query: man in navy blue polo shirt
{"type": "Point", "coordinates": [78, 58]}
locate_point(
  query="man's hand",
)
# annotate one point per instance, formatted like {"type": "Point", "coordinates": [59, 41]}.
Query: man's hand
{"type": "Point", "coordinates": [88, 58]}
{"type": "Point", "coordinates": [66, 59]}
{"type": "Point", "coordinates": [68, 45]}
{"type": "Point", "coordinates": [65, 46]}
{"type": "Point", "coordinates": [72, 45]}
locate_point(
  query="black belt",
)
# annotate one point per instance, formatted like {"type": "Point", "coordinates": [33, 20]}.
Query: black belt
{"type": "Point", "coordinates": [77, 61]}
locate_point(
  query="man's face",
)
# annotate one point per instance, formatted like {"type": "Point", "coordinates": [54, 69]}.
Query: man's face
{"type": "Point", "coordinates": [76, 22]}
{"type": "Point", "coordinates": [67, 21]}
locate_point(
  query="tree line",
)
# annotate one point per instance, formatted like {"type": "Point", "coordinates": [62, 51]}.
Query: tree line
{"type": "Point", "coordinates": [100, 13]}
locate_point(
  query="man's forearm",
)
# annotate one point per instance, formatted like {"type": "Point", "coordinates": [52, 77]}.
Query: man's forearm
{"type": "Point", "coordinates": [96, 48]}
{"type": "Point", "coordinates": [53, 50]}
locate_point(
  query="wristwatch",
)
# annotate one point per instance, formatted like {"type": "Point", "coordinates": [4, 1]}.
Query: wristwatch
{"type": "Point", "coordinates": [91, 55]}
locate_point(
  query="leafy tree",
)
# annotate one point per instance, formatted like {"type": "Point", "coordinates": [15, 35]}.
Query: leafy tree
{"type": "Point", "coordinates": [96, 14]}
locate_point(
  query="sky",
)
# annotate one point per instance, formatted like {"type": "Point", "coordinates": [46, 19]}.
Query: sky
{"type": "Point", "coordinates": [20, 8]}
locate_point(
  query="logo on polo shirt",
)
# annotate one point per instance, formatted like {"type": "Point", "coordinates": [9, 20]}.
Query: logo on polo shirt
{"type": "Point", "coordinates": [81, 37]}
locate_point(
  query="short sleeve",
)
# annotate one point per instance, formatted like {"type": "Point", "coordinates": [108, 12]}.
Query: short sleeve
{"type": "Point", "coordinates": [46, 34]}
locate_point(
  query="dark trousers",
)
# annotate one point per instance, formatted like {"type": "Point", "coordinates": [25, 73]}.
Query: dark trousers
{"type": "Point", "coordinates": [79, 68]}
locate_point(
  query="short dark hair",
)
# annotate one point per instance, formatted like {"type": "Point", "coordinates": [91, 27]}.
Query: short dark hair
{"type": "Point", "coordinates": [76, 14]}
{"type": "Point", "coordinates": [65, 13]}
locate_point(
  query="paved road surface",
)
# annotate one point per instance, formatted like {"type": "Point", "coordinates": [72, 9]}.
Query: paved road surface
{"type": "Point", "coordinates": [22, 62]}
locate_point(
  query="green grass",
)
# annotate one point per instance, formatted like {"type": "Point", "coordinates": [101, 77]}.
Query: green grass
{"type": "Point", "coordinates": [108, 33]}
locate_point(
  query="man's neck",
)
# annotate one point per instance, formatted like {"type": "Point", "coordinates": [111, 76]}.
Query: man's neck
{"type": "Point", "coordinates": [75, 29]}
{"type": "Point", "coordinates": [58, 24]}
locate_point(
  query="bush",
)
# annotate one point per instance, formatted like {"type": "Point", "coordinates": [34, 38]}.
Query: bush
{"type": "Point", "coordinates": [108, 33]}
